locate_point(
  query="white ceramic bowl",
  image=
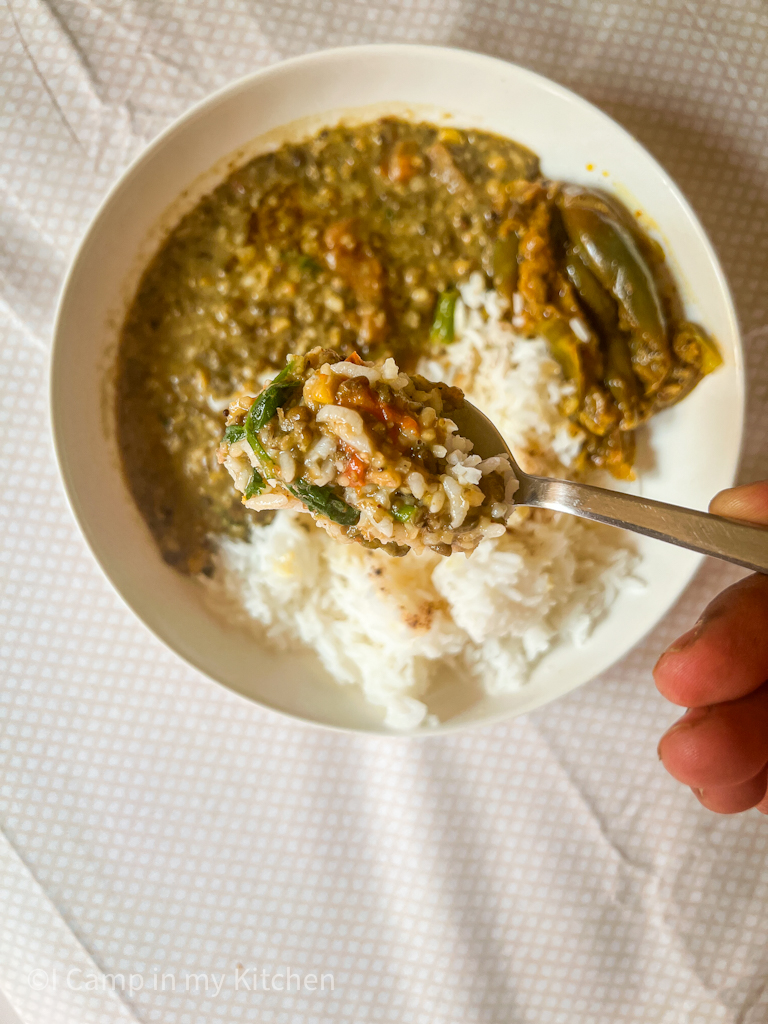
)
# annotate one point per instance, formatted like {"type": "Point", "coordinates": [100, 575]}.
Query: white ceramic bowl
{"type": "Point", "coordinates": [695, 445]}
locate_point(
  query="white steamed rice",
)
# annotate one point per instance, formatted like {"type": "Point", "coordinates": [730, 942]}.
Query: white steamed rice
{"type": "Point", "coordinates": [396, 626]}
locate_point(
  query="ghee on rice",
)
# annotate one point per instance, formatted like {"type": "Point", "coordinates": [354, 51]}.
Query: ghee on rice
{"type": "Point", "coordinates": [395, 626]}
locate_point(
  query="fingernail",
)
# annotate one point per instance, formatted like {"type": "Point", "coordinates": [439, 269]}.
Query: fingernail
{"type": "Point", "coordinates": [686, 640]}
{"type": "Point", "coordinates": [691, 718]}
{"type": "Point", "coordinates": [682, 643]}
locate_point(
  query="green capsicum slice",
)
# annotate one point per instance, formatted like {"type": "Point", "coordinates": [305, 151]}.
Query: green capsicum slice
{"type": "Point", "coordinates": [610, 252]}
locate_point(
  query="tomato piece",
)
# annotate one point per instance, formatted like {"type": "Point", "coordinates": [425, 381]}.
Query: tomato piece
{"type": "Point", "coordinates": [355, 470]}
{"type": "Point", "coordinates": [361, 395]}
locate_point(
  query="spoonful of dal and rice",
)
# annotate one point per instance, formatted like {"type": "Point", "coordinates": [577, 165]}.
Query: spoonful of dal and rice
{"type": "Point", "coordinates": [392, 460]}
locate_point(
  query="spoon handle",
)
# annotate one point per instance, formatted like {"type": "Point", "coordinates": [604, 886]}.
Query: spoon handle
{"type": "Point", "coordinates": [700, 531]}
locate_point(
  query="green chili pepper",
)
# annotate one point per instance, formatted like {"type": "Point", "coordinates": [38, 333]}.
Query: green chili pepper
{"type": "Point", "coordinates": [598, 411]}
{"type": "Point", "coordinates": [566, 350]}
{"type": "Point", "coordinates": [609, 250]}
{"type": "Point", "coordinates": [590, 291]}
{"type": "Point", "coordinates": [609, 206]}
{"type": "Point", "coordinates": [505, 265]}
{"type": "Point", "coordinates": [442, 327]}
{"type": "Point", "coordinates": [693, 346]}
{"type": "Point", "coordinates": [621, 380]}
{"type": "Point", "coordinates": [255, 484]}
{"type": "Point", "coordinates": [404, 513]}
{"type": "Point", "coordinates": [324, 502]}
{"type": "Point", "coordinates": [697, 355]}
{"type": "Point", "coordinates": [234, 432]}
{"type": "Point", "coordinates": [710, 355]}
{"type": "Point", "coordinates": [614, 452]}
{"type": "Point", "coordinates": [680, 382]}
{"type": "Point", "coordinates": [594, 405]}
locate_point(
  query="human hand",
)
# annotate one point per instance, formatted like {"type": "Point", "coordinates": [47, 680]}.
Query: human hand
{"type": "Point", "coordinates": [719, 671]}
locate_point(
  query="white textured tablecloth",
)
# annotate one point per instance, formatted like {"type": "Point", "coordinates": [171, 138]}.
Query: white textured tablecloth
{"type": "Point", "coordinates": [155, 825]}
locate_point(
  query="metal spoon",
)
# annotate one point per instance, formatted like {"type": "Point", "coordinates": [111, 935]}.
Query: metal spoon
{"type": "Point", "coordinates": [688, 528]}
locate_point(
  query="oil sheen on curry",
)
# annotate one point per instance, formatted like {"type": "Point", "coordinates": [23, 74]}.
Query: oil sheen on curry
{"type": "Point", "coordinates": [356, 241]}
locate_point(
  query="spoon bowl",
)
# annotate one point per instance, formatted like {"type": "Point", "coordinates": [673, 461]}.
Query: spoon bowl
{"type": "Point", "coordinates": [733, 541]}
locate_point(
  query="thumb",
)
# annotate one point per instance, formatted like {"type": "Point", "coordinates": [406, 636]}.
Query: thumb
{"type": "Point", "coordinates": [749, 502]}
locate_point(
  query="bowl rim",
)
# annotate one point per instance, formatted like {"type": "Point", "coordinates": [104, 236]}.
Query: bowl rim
{"type": "Point", "coordinates": [204, 106]}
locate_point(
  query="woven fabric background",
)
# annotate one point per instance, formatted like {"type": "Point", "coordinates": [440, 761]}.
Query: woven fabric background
{"type": "Point", "coordinates": [152, 823]}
